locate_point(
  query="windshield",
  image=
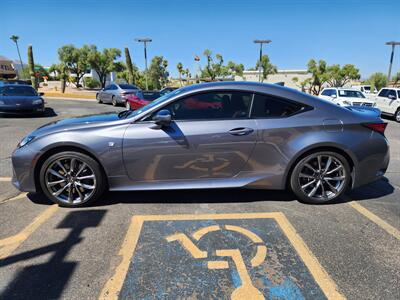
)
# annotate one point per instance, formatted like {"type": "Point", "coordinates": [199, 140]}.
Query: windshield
{"type": "Point", "coordinates": [128, 87]}
{"type": "Point", "coordinates": [154, 103]}
{"type": "Point", "coordinates": [17, 90]}
{"type": "Point", "coordinates": [351, 94]}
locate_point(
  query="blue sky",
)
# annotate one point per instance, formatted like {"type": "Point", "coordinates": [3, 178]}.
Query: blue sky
{"type": "Point", "coordinates": [339, 31]}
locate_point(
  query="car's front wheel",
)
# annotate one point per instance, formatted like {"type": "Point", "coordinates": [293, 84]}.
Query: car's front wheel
{"type": "Point", "coordinates": [72, 179]}
{"type": "Point", "coordinates": [320, 177]}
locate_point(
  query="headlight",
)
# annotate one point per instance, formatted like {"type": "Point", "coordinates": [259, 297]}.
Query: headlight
{"type": "Point", "coordinates": [38, 101]}
{"type": "Point", "coordinates": [26, 140]}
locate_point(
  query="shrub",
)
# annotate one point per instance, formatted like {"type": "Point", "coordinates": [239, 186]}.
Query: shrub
{"type": "Point", "coordinates": [91, 83]}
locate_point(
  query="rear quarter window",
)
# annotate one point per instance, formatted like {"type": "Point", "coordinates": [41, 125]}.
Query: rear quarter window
{"type": "Point", "coordinates": [266, 106]}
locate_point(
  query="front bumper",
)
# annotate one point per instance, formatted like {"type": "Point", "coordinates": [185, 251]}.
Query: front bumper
{"type": "Point", "coordinates": [20, 109]}
{"type": "Point", "coordinates": [23, 164]}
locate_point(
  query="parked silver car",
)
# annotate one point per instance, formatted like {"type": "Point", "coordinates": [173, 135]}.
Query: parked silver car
{"type": "Point", "coordinates": [213, 135]}
{"type": "Point", "coordinates": [116, 93]}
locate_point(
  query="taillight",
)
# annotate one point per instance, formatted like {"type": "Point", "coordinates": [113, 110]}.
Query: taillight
{"type": "Point", "coordinates": [378, 127]}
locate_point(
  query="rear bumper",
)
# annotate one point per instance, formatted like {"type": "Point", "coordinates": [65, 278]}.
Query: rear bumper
{"type": "Point", "coordinates": [374, 161]}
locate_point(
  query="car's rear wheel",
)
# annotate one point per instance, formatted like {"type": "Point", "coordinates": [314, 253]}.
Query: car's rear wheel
{"type": "Point", "coordinates": [72, 179]}
{"type": "Point", "coordinates": [320, 177]}
{"type": "Point", "coordinates": [114, 101]}
{"type": "Point", "coordinates": [127, 105]}
{"type": "Point", "coordinates": [98, 98]}
{"type": "Point", "coordinates": [397, 115]}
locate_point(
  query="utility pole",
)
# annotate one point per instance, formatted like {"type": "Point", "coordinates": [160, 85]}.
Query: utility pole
{"type": "Point", "coordinates": [145, 41]}
{"type": "Point", "coordinates": [261, 42]}
{"type": "Point", "coordinates": [393, 44]}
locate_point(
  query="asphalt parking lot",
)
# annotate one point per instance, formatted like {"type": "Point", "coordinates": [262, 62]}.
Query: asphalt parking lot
{"type": "Point", "coordinates": [207, 244]}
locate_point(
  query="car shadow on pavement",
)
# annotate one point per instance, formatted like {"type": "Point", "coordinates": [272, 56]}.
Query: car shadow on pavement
{"type": "Point", "coordinates": [48, 113]}
{"type": "Point", "coordinates": [377, 189]}
{"type": "Point", "coordinates": [374, 190]}
{"type": "Point", "coordinates": [48, 279]}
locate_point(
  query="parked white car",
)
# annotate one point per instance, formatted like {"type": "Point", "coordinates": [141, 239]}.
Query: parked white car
{"type": "Point", "coordinates": [366, 89]}
{"type": "Point", "coordinates": [346, 97]}
{"type": "Point", "coordinates": [388, 101]}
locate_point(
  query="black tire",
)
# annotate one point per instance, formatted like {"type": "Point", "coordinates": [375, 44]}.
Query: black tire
{"type": "Point", "coordinates": [295, 178]}
{"type": "Point", "coordinates": [397, 115]}
{"type": "Point", "coordinates": [114, 101]}
{"type": "Point", "coordinates": [98, 99]}
{"type": "Point", "coordinates": [99, 181]}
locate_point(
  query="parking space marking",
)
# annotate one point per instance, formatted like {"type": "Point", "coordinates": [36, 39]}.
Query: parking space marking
{"type": "Point", "coordinates": [114, 285]}
{"type": "Point", "coordinates": [18, 197]}
{"type": "Point", "coordinates": [374, 218]}
{"type": "Point", "coordinates": [8, 245]}
{"type": "Point", "coordinates": [5, 179]}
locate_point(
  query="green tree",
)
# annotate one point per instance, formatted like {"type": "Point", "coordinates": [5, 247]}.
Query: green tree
{"type": "Point", "coordinates": [235, 69]}
{"type": "Point", "coordinates": [266, 67]}
{"type": "Point", "coordinates": [377, 80]}
{"type": "Point", "coordinates": [319, 76]}
{"type": "Point", "coordinates": [396, 79]}
{"type": "Point", "coordinates": [214, 67]}
{"type": "Point", "coordinates": [104, 62]}
{"type": "Point", "coordinates": [339, 76]}
{"type": "Point", "coordinates": [179, 67]}
{"type": "Point", "coordinates": [61, 70]}
{"type": "Point", "coordinates": [76, 60]}
{"type": "Point", "coordinates": [158, 74]}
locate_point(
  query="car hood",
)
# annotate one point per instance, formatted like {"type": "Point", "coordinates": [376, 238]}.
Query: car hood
{"type": "Point", "coordinates": [74, 123]}
{"type": "Point", "coordinates": [352, 99]}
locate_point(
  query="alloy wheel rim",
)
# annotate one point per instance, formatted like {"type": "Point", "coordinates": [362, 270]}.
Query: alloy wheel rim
{"type": "Point", "coordinates": [322, 177]}
{"type": "Point", "coordinates": [398, 116]}
{"type": "Point", "coordinates": [70, 180]}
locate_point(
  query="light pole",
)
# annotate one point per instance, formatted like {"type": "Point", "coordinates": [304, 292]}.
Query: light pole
{"type": "Point", "coordinates": [393, 44]}
{"type": "Point", "coordinates": [261, 42]}
{"type": "Point", "coordinates": [145, 41]}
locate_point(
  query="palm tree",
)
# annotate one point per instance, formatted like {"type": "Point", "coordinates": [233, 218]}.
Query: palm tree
{"type": "Point", "coordinates": [15, 39]}
{"type": "Point", "coordinates": [179, 66]}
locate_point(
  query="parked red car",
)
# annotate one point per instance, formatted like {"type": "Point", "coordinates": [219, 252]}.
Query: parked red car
{"type": "Point", "coordinates": [140, 99]}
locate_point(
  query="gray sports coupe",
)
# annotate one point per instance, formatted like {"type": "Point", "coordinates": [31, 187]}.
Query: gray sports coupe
{"type": "Point", "coordinates": [216, 135]}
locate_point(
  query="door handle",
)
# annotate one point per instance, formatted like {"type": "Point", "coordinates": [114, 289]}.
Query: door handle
{"type": "Point", "coordinates": [241, 131]}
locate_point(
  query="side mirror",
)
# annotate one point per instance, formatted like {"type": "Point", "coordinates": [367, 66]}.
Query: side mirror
{"type": "Point", "coordinates": [333, 96]}
{"type": "Point", "coordinates": [392, 97]}
{"type": "Point", "coordinates": [41, 94]}
{"type": "Point", "coordinates": [162, 117]}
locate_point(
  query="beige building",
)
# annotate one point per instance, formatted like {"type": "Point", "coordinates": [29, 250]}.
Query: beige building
{"type": "Point", "coordinates": [285, 76]}
{"type": "Point", "coordinates": [6, 68]}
